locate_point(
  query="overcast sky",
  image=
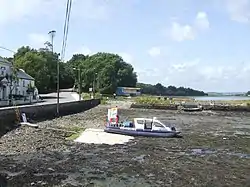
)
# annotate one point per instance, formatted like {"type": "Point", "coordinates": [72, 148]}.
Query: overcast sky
{"type": "Point", "coordinates": [203, 44]}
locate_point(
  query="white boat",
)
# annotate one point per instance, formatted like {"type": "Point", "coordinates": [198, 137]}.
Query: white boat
{"type": "Point", "coordinates": [142, 127]}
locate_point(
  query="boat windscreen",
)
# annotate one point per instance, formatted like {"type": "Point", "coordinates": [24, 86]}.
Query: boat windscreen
{"type": "Point", "coordinates": [158, 124]}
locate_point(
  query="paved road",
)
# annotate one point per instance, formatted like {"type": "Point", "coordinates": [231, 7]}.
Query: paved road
{"type": "Point", "coordinates": [51, 98]}
{"type": "Point", "coordinates": [63, 97]}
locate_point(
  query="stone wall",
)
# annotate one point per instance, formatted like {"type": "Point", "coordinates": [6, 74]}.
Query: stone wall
{"type": "Point", "coordinates": [43, 112]}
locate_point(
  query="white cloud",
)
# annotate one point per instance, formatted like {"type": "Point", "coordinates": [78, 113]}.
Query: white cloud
{"type": "Point", "coordinates": [16, 10]}
{"type": "Point", "coordinates": [182, 32]}
{"type": "Point", "coordinates": [179, 32]}
{"type": "Point", "coordinates": [37, 40]}
{"type": "Point", "coordinates": [196, 75]}
{"type": "Point", "coordinates": [201, 21]}
{"type": "Point", "coordinates": [154, 51]}
{"type": "Point", "coordinates": [239, 10]}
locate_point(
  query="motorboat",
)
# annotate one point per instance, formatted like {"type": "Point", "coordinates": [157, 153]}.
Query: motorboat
{"type": "Point", "coordinates": [142, 127]}
{"type": "Point", "coordinates": [150, 127]}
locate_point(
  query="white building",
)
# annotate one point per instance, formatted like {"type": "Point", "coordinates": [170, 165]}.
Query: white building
{"type": "Point", "coordinates": [22, 88]}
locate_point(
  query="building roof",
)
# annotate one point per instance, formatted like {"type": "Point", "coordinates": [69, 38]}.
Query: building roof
{"type": "Point", "coordinates": [21, 74]}
{"type": "Point", "coordinates": [2, 60]}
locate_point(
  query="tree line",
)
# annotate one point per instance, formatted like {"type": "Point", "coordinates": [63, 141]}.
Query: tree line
{"type": "Point", "coordinates": [159, 89]}
{"type": "Point", "coordinates": [102, 71]}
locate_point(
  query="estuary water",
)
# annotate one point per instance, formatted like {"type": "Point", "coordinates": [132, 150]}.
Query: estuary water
{"type": "Point", "coordinates": [221, 98]}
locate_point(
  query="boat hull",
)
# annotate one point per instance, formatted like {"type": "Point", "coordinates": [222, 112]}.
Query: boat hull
{"type": "Point", "coordinates": [146, 133]}
{"type": "Point", "coordinates": [192, 109]}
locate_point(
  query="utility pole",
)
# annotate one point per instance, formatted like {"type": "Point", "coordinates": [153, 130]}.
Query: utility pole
{"type": "Point", "coordinates": [79, 82]}
{"type": "Point", "coordinates": [52, 33]}
{"type": "Point", "coordinates": [94, 85]}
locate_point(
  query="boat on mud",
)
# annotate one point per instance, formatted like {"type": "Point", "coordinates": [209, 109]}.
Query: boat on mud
{"type": "Point", "coordinates": [149, 127]}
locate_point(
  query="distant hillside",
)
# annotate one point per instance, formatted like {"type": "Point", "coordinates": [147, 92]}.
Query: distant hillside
{"type": "Point", "coordinates": [159, 89]}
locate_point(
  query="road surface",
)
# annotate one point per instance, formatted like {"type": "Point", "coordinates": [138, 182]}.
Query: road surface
{"type": "Point", "coordinates": [63, 97]}
{"type": "Point", "coordinates": [51, 98]}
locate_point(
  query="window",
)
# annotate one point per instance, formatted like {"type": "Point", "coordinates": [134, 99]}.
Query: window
{"type": "Point", "coordinates": [157, 124]}
{"type": "Point", "coordinates": [148, 124]}
{"type": "Point", "coordinates": [2, 70]}
{"type": "Point", "coordinates": [23, 83]}
{"type": "Point", "coordinates": [140, 122]}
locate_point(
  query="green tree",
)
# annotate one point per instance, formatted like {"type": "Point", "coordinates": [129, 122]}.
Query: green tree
{"type": "Point", "coordinates": [71, 75]}
{"type": "Point", "coordinates": [106, 71]}
{"type": "Point", "coordinates": [159, 89]}
{"type": "Point", "coordinates": [76, 60]}
{"type": "Point", "coordinates": [37, 66]}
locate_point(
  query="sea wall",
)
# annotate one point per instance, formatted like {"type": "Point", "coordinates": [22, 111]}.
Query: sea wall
{"type": "Point", "coordinates": [43, 112]}
{"type": "Point", "coordinates": [204, 107]}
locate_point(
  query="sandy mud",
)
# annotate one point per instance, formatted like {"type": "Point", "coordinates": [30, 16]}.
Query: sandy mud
{"type": "Point", "coordinates": [214, 151]}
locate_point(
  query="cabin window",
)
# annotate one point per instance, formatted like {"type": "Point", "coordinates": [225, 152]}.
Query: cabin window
{"type": "Point", "coordinates": [148, 124]}
{"type": "Point", "coordinates": [156, 124]}
{"type": "Point", "coordinates": [140, 122]}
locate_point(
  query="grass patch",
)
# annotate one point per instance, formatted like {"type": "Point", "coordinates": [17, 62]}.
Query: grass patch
{"type": "Point", "coordinates": [77, 130]}
{"type": "Point", "coordinates": [160, 100]}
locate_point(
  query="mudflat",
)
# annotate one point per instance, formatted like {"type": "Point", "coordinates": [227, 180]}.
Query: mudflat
{"type": "Point", "coordinates": [214, 151]}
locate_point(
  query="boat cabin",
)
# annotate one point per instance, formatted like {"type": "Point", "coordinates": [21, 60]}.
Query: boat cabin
{"type": "Point", "coordinates": [149, 124]}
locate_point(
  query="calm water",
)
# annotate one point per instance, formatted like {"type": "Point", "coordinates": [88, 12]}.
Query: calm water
{"type": "Point", "coordinates": [221, 98]}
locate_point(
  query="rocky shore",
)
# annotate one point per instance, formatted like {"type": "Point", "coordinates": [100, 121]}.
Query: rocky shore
{"type": "Point", "coordinates": [214, 151]}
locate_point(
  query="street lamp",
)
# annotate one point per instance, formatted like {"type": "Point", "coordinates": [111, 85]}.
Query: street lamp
{"type": "Point", "coordinates": [79, 82]}
{"type": "Point", "coordinates": [52, 33]}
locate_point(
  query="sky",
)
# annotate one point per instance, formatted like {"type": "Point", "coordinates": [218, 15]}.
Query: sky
{"type": "Point", "coordinates": [201, 44]}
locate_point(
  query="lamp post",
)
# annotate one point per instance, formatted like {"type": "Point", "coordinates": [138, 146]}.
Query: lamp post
{"type": "Point", "coordinates": [52, 34]}
{"type": "Point", "coordinates": [79, 82]}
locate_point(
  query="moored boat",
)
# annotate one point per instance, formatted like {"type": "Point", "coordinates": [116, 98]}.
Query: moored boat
{"type": "Point", "coordinates": [149, 127]}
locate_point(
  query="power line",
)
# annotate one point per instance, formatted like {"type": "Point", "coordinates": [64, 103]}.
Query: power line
{"type": "Point", "coordinates": [66, 28]}
{"type": "Point", "coordinates": [65, 35]}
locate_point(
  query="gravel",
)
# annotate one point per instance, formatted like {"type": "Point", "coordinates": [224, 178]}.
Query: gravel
{"type": "Point", "coordinates": [214, 151]}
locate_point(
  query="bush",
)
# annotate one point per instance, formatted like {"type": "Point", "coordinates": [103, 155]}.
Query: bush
{"type": "Point", "coordinates": [85, 96]}
{"type": "Point", "coordinates": [152, 100]}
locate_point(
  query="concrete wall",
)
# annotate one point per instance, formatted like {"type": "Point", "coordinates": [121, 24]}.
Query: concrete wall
{"type": "Point", "coordinates": [43, 112]}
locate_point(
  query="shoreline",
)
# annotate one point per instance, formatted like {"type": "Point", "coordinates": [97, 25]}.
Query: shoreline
{"type": "Point", "coordinates": [215, 107]}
